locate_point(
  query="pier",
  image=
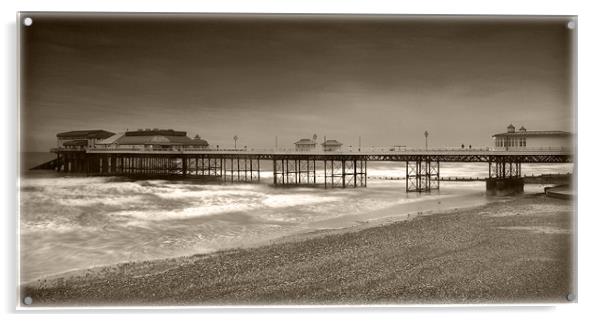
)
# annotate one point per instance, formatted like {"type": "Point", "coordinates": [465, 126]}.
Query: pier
{"type": "Point", "coordinates": [326, 169]}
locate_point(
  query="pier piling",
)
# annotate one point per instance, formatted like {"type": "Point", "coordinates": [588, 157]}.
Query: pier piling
{"type": "Point", "coordinates": [335, 170]}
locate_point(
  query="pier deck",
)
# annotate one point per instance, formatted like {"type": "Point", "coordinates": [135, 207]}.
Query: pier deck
{"type": "Point", "coordinates": [330, 169]}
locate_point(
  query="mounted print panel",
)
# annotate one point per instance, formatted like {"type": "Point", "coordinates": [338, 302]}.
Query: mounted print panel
{"type": "Point", "coordinates": [272, 159]}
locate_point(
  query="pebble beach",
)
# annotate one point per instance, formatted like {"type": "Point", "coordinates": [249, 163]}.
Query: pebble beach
{"type": "Point", "coordinates": [516, 250]}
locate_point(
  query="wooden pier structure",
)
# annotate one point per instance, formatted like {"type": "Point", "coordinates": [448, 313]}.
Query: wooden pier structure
{"type": "Point", "coordinates": [336, 169]}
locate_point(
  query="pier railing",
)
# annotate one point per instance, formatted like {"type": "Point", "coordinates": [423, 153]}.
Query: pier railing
{"type": "Point", "coordinates": [368, 151]}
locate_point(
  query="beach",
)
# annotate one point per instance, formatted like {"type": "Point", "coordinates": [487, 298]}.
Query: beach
{"type": "Point", "coordinates": [512, 250]}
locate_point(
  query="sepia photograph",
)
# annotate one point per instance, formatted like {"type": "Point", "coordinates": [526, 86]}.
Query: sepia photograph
{"type": "Point", "coordinates": [219, 160]}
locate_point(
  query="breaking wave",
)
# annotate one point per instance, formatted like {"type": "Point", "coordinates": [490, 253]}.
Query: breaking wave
{"type": "Point", "coordinates": [77, 222]}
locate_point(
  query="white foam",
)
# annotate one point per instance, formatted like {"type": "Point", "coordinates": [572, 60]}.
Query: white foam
{"type": "Point", "coordinates": [53, 226]}
{"type": "Point", "coordinates": [290, 200]}
{"type": "Point", "coordinates": [107, 200]}
{"type": "Point", "coordinates": [179, 193]}
{"type": "Point", "coordinates": [184, 213]}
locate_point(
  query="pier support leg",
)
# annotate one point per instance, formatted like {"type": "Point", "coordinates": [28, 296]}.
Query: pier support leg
{"type": "Point", "coordinates": [365, 173]}
{"type": "Point", "coordinates": [504, 178]}
{"type": "Point", "coordinates": [325, 177]}
{"type": "Point", "coordinates": [422, 175]}
{"type": "Point", "coordinates": [343, 172]}
{"type": "Point", "coordinates": [314, 161]}
{"type": "Point", "coordinates": [274, 165]}
{"type": "Point", "coordinates": [248, 169]}
{"type": "Point", "coordinates": [504, 187]}
{"type": "Point", "coordinates": [113, 165]}
{"type": "Point", "coordinates": [355, 173]}
{"type": "Point", "coordinates": [434, 177]}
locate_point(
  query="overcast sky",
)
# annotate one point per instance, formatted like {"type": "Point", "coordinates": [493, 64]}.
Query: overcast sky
{"type": "Point", "coordinates": [386, 79]}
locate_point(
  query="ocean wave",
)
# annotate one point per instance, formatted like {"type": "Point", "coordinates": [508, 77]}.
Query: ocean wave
{"type": "Point", "coordinates": [291, 200]}
{"type": "Point", "coordinates": [53, 226]}
{"type": "Point", "coordinates": [99, 200]}
{"type": "Point", "coordinates": [72, 222]}
{"type": "Point", "coordinates": [179, 193]}
{"type": "Point", "coordinates": [184, 213]}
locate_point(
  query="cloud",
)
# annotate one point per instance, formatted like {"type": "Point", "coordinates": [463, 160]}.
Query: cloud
{"type": "Point", "coordinates": [289, 76]}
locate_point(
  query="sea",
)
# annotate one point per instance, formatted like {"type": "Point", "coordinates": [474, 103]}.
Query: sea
{"type": "Point", "coordinates": [69, 222]}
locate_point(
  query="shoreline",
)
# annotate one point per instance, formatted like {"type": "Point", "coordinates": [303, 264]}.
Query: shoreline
{"type": "Point", "coordinates": [341, 224]}
{"type": "Point", "coordinates": [404, 210]}
{"type": "Point", "coordinates": [292, 270]}
{"type": "Point", "coordinates": [361, 222]}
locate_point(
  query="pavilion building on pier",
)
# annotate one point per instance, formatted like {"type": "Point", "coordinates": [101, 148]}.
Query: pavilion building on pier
{"type": "Point", "coordinates": [332, 146]}
{"type": "Point", "coordinates": [81, 139]}
{"type": "Point", "coordinates": [305, 145]}
{"type": "Point", "coordinates": [523, 140]}
{"type": "Point", "coordinates": [153, 139]}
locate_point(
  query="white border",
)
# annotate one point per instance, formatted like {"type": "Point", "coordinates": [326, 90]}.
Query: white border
{"type": "Point", "coordinates": [589, 54]}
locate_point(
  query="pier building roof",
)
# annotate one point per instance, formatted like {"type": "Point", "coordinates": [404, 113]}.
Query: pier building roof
{"type": "Point", "coordinates": [112, 139]}
{"type": "Point", "coordinates": [153, 132]}
{"type": "Point", "coordinates": [150, 137]}
{"type": "Point", "coordinates": [305, 141]}
{"type": "Point", "coordinates": [154, 139]}
{"type": "Point", "coordinates": [332, 143]}
{"type": "Point", "coordinates": [533, 133]}
{"type": "Point", "coordinates": [198, 141]}
{"type": "Point", "coordinates": [522, 132]}
{"type": "Point", "coordinates": [90, 134]}
{"type": "Point", "coordinates": [76, 143]}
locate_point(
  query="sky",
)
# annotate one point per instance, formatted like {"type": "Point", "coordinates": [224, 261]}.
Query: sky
{"type": "Point", "coordinates": [385, 79]}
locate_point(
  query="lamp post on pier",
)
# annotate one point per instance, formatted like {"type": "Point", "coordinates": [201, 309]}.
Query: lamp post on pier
{"type": "Point", "coordinates": [426, 139]}
{"type": "Point", "coordinates": [235, 139]}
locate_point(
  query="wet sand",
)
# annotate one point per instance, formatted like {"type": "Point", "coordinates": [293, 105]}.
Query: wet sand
{"type": "Point", "coordinates": [512, 251]}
